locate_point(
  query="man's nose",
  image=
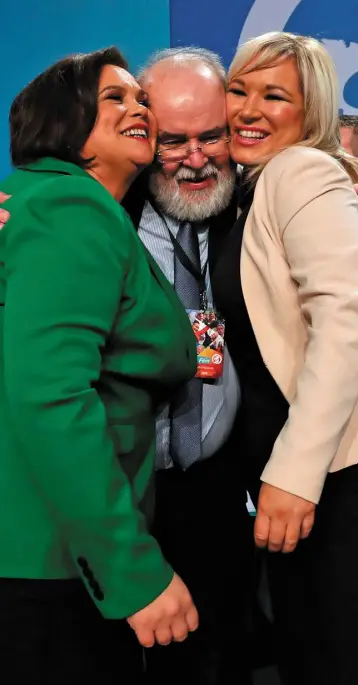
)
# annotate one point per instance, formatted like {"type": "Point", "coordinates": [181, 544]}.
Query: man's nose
{"type": "Point", "coordinates": [196, 159]}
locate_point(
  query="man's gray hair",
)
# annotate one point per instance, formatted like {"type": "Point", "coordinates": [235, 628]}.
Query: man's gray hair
{"type": "Point", "coordinates": [348, 121]}
{"type": "Point", "coordinates": [185, 56]}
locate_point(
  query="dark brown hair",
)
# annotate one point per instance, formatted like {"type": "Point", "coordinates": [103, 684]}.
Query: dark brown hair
{"type": "Point", "coordinates": [54, 115]}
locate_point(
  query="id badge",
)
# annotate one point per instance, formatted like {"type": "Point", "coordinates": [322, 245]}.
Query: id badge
{"type": "Point", "coordinates": [209, 330]}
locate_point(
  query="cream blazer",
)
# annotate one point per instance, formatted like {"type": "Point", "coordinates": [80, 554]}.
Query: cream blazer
{"type": "Point", "coordinates": [299, 267]}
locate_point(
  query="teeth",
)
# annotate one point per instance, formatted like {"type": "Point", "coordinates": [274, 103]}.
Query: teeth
{"type": "Point", "coordinates": [251, 134]}
{"type": "Point", "coordinates": [136, 132]}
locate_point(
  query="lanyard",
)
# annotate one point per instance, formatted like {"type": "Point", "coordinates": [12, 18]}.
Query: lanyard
{"type": "Point", "coordinates": [199, 275]}
{"type": "Point", "coordinates": [188, 264]}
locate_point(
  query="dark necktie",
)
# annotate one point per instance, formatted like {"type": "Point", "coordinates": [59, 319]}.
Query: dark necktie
{"type": "Point", "coordinates": [186, 407]}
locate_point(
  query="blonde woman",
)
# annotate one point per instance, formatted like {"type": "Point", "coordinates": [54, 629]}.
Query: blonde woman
{"type": "Point", "coordinates": [287, 285]}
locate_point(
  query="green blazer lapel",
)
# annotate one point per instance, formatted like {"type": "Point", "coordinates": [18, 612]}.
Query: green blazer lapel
{"type": "Point", "coordinates": [163, 282]}
{"type": "Point", "coordinates": [58, 166]}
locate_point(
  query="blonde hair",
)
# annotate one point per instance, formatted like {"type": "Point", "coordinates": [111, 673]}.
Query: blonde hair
{"type": "Point", "coordinates": [319, 85]}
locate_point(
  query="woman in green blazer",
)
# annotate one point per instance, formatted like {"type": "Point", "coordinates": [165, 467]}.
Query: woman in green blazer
{"type": "Point", "coordinates": [93, 338]}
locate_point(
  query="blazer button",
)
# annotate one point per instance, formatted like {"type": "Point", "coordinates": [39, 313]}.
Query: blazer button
{"type": "Point", "coordinates": [98, 594]}
{"type": "Point", "coordinates": [82, 562]}
{"type": "Point", "coordinates": [97, 591]}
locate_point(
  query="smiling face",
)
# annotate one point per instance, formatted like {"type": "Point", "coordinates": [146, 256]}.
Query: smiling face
{"type": "Point", "coordinates": [265, 111]}
{"type": "Point", "coordinates": [124, 136]}
{"type": "Point", "coordinates": [189, 105]}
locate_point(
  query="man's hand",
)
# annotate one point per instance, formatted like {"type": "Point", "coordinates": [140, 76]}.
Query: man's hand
{"type": "Point", "coordinates": [170, 617]}
{"type": "Point", "coordinates": [282, 519]}
{"type": "Point", "coordinates": [4, 215]}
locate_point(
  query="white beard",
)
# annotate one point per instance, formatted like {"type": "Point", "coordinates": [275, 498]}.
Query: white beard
{"type": "Point", "coordinates": [193, 205]}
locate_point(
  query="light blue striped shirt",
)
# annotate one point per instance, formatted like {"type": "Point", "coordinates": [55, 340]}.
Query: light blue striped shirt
{"type": "Point", "coordinates": [221, 398]}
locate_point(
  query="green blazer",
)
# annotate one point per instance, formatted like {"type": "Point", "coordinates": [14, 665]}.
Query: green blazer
{"type": "Point", "coordinates": [92, 338]}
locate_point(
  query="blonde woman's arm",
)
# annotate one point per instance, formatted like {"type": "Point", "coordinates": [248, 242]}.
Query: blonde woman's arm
{"type": "Point", "coordinates": [317, 215]}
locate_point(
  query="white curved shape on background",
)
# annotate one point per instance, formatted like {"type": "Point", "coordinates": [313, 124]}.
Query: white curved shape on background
{"type": "Point", "coordinates": [273, 15]}
{"type": "Point", "coordinates": [346, 61]}
{"type": "Point", "coordinates": [267, 15]}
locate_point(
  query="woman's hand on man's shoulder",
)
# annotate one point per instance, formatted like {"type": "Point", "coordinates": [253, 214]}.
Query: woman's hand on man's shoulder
{"type": "Point", "coordinates": [4, 214]}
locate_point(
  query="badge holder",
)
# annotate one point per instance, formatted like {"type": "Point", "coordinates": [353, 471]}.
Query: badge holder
{"type": "Point", "coordinates": [209, 330]}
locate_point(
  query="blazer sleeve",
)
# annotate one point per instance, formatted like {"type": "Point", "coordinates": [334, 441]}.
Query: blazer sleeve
{"type": "Point", "coordinates": [317, 216]}
{"type": "Point", "coordinates": [65, 276]}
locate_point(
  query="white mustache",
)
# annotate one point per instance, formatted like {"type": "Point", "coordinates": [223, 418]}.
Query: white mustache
{"type": "Point", "coordinates": [186, 174]}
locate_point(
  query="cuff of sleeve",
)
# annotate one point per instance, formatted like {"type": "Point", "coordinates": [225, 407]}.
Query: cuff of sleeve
{"type": "Point", "coordinates": [295, 478]}
{"type": "Point", "coordinates": [136, 594]}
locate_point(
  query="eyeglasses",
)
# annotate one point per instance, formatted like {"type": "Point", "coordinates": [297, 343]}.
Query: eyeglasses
{"type": "Point", "coordinates": [178, 152]}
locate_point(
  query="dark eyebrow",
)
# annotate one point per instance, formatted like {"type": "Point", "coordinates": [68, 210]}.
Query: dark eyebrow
{"type": "Point", "coordinates": [164, 136]}
{"type": "Point", "coordinates": [104, 90]}
{"type": "Point", "coordinates": [212, 132]}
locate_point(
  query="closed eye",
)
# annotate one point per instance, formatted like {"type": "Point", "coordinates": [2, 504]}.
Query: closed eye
{"type": "Point", "coordinates": [209, 139]}
{"type": "Point", "coordinates": [273, 97]}
{"type": "Point", "coordinates": [171, 143]}
{"type": "Point", "coordinates": [115, 96]}
{"type": "Point", "coordinates": [236, 91]}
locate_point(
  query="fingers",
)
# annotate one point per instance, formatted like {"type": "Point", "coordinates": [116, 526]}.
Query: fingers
{"type": "Point", "coordinates": [292, 537]}
{"type": "Point", "coordinates": [163, 635]}
{"type": "Point", "coordinates": [307, 525]}
{"type": "Point", "coordinates": [192, 619]}
{"type": "Point", "coordinates": [262, 529]}
{"type": "Point", "coordinates": [145, 635]}
{"type": "Point", "coordinates": [166, 630]}
{"type": "Point", "coordinates": [4, 217]}
{"type": "Point", "coordinates": [276, 534]}
{"type": "Point", "coordinates": [179, 630]}
{"type": "Point", "coordinates": [168, 617]}
{"type": "Point", "coordinates": [282, 519]}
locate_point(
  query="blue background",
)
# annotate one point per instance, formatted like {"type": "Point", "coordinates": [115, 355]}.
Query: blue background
{"type": "Point", "coordinates": [212, 24]}
{"type": "Point", "coordinates": [36, 33]}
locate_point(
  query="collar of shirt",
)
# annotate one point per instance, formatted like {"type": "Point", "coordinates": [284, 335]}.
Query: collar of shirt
{"type": "Point", "coordinates": [153, 231]}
